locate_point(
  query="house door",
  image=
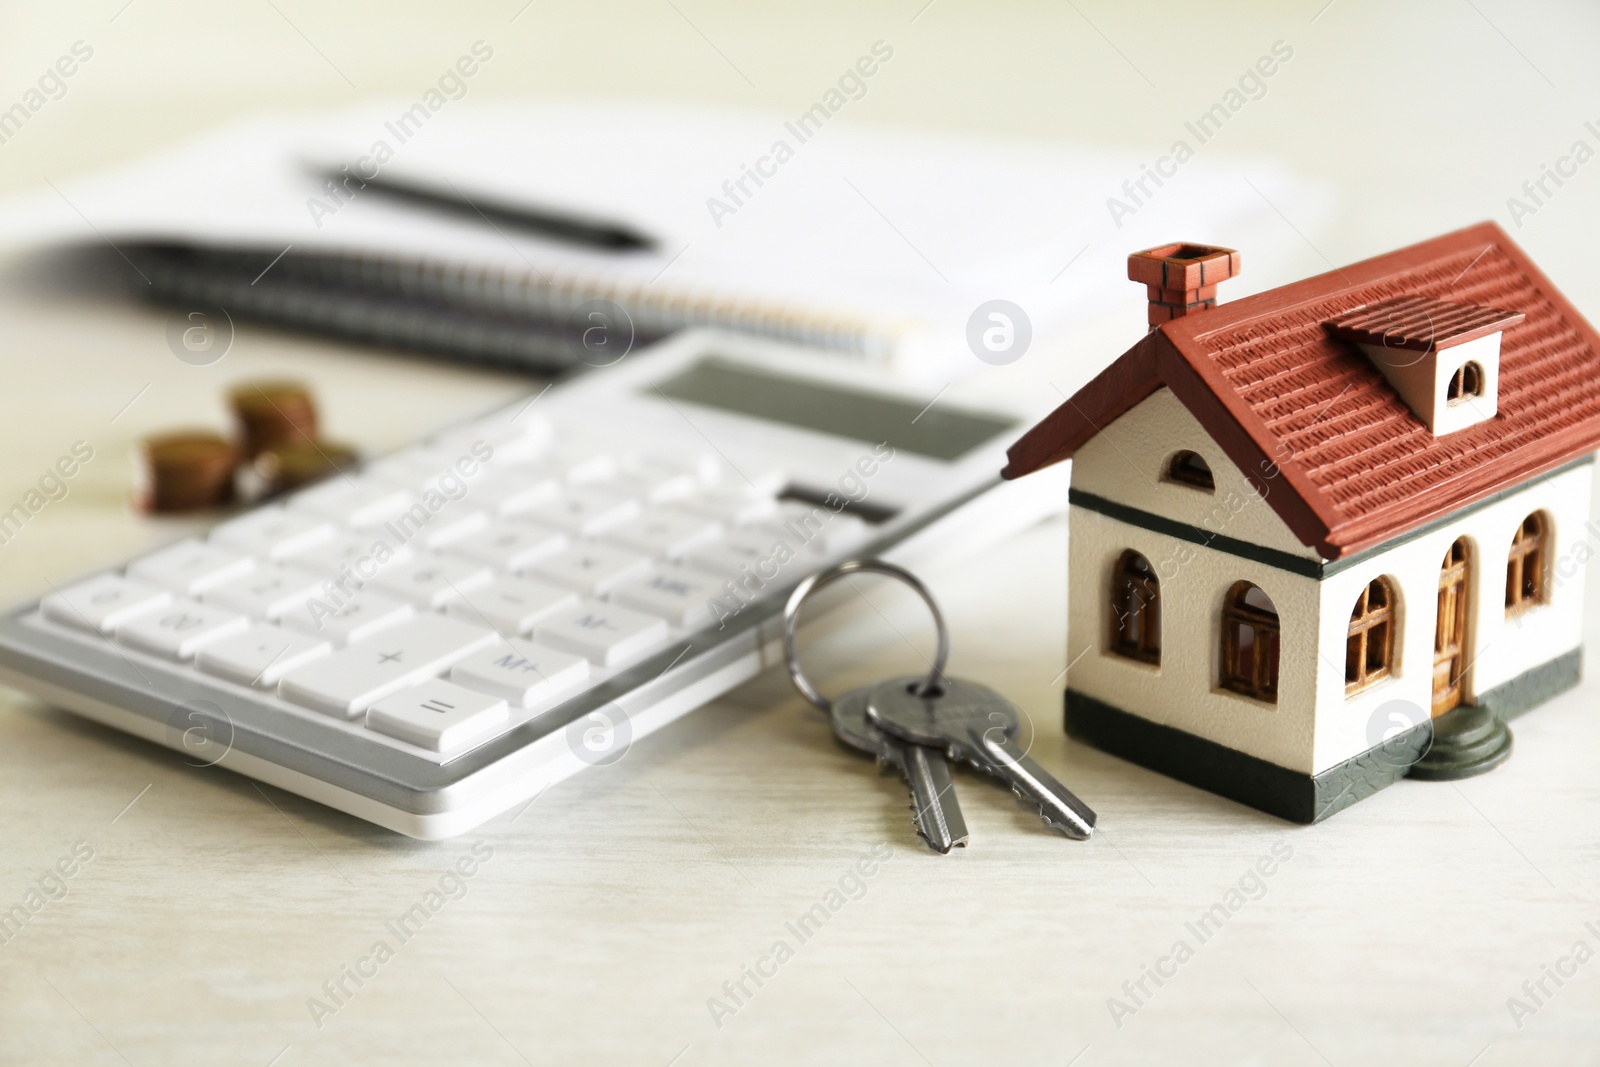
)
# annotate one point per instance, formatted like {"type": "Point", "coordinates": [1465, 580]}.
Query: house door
{"type": "Point", "coordinates": [1450, 633]}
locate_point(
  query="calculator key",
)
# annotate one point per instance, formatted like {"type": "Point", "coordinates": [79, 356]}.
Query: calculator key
{"type": "Point", "coordinates": [590, 568]}
{"type": "Point", "coordinates": [825, 529]}
{"type": "Point", "coordinates": [510, 546]}
{"type": "Point", "coordinates": [348, 621]}
{"type": "Point", "coordinates": [522, 672]}
{"type": "Point", "coordinates": [103, 603]}
{"type": "Point", "coordinates": [179, 631]}
{"type": "Point", "coordinates": [581, 464]}
{"type": "Point", "coordinates": [654, 485]}
{"type": "Point", "coordinates": [605, 633]}
{"type": "Point", "coordinates": [703, 468]}
{"type": "Point", "coordinates": [345, 683]}
{"type": "Point", "coordinates": [274, 533]}
{"type": "Point", "coordinates": [588, 511]}
{"type": "Point", "coordinates": [515, 490]}
{"type": "Point", "coordinates": [512, 605]}
{"type": "Point", "coordinates": [763, 551]}
{"type": "Point", "coordinates": [665, 532]}
{"type": "Point", "coordinates": [679, 595]}
{"type": "Point", "coordinates": [432, 581]}
{"type": "Point", "coordinates": [437, 715]}
{"type": "Point", "coordinates": [364, 503]}
{"type": "Point", "coordinates": [260, 655]}
{"type": "Point", "coordinates": [734, 502]}
{"type": "Point", "coordinates": [364, 553]}
{"type": "Point", "coordinates": [268, 593]}
{"type": "Point", "coordinates": [452, 523]}
{"type": "Point", "coordinates": [191, 566]}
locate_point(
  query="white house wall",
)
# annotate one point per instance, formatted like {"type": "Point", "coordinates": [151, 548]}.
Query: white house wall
{"type": "Point", "coordinates": [1182, 690]}
{"type": "Point", "coordinates": [1498, 648]}
{"type": "Point", "coordinates": [1314, 726]}
{"type": "Point", "coordinates": [1124, 463]}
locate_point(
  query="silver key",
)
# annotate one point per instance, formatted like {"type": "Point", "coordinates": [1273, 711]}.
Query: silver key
{"type": "Point", "coordinates": [974, 723]}
{"type": "Point", "coordinates": [934, 809]}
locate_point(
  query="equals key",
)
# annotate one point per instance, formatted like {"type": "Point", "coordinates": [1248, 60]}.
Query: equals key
{"type": "Point", "coordinates": [438, 715]}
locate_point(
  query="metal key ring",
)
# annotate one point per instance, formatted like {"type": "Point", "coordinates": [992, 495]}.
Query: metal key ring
{"type": "Point", "coordinates": [791, 618]}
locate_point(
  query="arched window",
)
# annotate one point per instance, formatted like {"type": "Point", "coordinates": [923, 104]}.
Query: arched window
{"type": "Point", "coordinates": [1465, 383]}
{"type": "Point", "coordinates": [1190, 468]}
{"type": "Point", "coordinates": [1136, 609]}
{"type": "Point", "coordinates": [1250, 643]}
{"type": "Point", "coordinates": [1525, 584]}
{"type": "Point", "coordinates": [1370, 645]}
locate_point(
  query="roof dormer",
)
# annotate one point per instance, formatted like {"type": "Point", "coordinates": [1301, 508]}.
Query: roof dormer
{"type": "Point", "coordinates": [1442, 358]}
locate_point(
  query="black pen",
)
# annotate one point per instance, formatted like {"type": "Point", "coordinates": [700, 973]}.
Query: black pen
{"type": "Point", "coordinates": [562, 226]}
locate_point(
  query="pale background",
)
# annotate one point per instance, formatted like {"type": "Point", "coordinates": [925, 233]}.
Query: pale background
{"type": "Point", "coordinates": [623, 899]}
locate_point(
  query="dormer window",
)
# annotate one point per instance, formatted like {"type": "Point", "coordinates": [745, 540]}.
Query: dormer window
{"type": "Point", "coordinates": [1189, 468]}
{"type": "Point", "coordinates": [1466, 383]}
{"type": "Point", "coordinates": [1437, 355]}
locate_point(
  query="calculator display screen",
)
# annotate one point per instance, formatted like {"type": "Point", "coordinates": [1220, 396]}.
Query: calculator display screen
{"type": "Point", "coordinates": [939, 431]}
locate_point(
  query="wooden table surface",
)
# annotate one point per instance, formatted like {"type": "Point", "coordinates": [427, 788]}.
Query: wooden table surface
{"type": "Point", "coordinates": [616, 918]}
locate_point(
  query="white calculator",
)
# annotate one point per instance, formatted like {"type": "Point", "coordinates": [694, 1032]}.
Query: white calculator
{"type": "Point", "coordinates": [438, 637]}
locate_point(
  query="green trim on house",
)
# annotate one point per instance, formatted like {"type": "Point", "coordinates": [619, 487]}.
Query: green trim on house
{"type": "Point", "coordinates": [1199, 535]}
{"type": "Point", "coordinates": [1532, 688]}
{"type": "Point", "coordinates": [1274, 557]}
{"type": "Point", "coordinates": [1292, 795]}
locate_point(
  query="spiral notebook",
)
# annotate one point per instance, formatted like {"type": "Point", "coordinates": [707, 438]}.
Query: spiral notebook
{"type": "Point", "coordinates": [876, 244]}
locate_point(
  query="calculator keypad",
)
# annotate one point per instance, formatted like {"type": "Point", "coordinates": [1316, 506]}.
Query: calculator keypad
{"type": "Point", "coordinates": [437, 599]}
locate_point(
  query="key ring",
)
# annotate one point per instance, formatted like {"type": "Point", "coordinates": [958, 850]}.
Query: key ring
{"type": "Point", "coordinates": [791, 618]}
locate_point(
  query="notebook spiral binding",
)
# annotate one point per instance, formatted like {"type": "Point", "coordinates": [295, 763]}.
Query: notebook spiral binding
{"type": "Point", "coordinates": [525, 319]}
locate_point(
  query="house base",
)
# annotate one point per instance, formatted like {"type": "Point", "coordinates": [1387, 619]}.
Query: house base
{"type": "Point", "coordinates": [1291, 795]}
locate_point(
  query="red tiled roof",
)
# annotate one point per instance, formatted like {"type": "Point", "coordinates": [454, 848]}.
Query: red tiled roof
{"type": "Point", "coordinates": [1420, 323]}
{"type": "Point", "coordinates": [1315, 425]}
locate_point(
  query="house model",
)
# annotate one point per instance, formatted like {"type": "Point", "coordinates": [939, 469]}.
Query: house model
{"type": "Point", "coordinates": [1331, 534]}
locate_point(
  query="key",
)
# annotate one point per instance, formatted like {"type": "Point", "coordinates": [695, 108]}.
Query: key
{"type": "Point", "coordinates": [510, 546]}
{"type": "Point", "coordinates": [437, 715]}
{"type": "Point", "coordinates": [179, 631]}
{"type": "Point", "coordinates": [353, 620]}
{"type": "Point", "coordinates": [834, 532]}
{"type": "Point", "coordinates": [274, 533]}
{"type": "Point", "coordinates": [520, 671]}
{"type": "Point", "coordinates": [665, 532]}
{"type": "Point", "coordinates": [767, 554]}
{"type": "Point", "coordinates": [364, 503]}
{"type": "Point", "coordinates": [454, 521]}
{"type": "Point", "coordinates": [259, 656]}
{"type": "Point", "coordinates": [516, 490]}
{"type": "Point", "coordinates": [363, 553]}
{"type": "Point", "coordinates": [973, 722]}
{"type": "Point", "coordinates": [432, 581]}
{"type": "Point", "coordinates": [103, 603]}
{"type": "Point", "coordinates": [605, 633]}
{"type": "Point", "coordinates": [591, 569]}
{"type": "Point", "coordinates": [346, 683]}
{"type": "Point", "coordinates": [935, 811]}
{"type": "Point", "coordinates": [512, 605]}
{"type": "Point", "coordinates": [588, 511]}
{"type": "Point", "coordinates": [654, 484]}
{"type": "Point", "coordinates": [191, 566]}
{"type": "Point", "coordinates": [268, 593]}
{"type": "Point", "coordinates": [680, 596]}
{"type": "Point", "coordinates": [734, 502]}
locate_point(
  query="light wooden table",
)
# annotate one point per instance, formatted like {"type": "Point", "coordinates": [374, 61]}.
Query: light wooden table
{"type": "Point", "coordinates": [614, 909]}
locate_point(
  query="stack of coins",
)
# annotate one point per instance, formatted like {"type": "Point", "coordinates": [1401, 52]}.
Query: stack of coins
{"type": "Point", "coordinates": [278, 450]}
{"type": "Point", "coordinates": [285, 467]}
{"type": "Point", "coordinates": [187, 471]}
{"type": "Point", "coordinates": [273, 413]}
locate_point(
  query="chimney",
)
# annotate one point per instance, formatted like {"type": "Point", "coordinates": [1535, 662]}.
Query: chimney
{"type": "Point", "coordinates": [1181, 278]}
